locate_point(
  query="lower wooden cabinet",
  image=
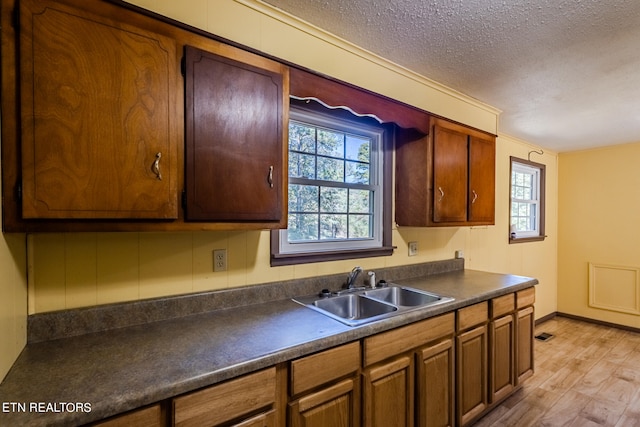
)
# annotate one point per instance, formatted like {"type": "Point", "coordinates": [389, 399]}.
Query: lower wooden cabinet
{"type": "Point", "coordinates": [502, 352]}
{"type": "Point", "coordinates": [472, 381]}
{"type": "Point", "coordinates": [325, 388]}
{"type": "Point", "coordinates": [525, 323]}
{"type": "Point", "coordinates": [502, 349]}
{"type": "Point", "coordinates": [388, 393]}
{"type": "Point", "coordinates": [494, 352]}
{"type": "Point", "coordinates": [435, 385]}
{"type": "Point", "coordinates": [250, 400]}
{"type": "Point", "coordinates": [334, 405]}
{"type": "Point", "coordinates": [408, 375]}
{"type": "Point", "coordinates": [472, 352]}
{"type": "Point", "coordinates": [152, 416]}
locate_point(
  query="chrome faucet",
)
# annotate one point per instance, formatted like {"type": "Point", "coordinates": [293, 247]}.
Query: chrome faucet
{"type": "Point", "coordinates": [351, 278]}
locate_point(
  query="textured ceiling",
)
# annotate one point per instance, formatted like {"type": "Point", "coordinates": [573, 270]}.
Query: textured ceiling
{"type": "Point", "coordinates": [565, 73]}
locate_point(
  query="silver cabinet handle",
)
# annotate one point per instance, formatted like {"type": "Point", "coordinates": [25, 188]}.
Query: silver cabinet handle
{"type": "Point", "coordinates": [441, 194]}
{"type": "Point", "coordinates": [270, 179]}
{"type": "Point", "coordinates": [156, 166]}
{"type": "Point", "coordinates": [475, 196]}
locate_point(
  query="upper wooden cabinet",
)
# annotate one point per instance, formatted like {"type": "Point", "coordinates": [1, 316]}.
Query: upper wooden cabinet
{"type": "Point", "coordinates": [98, 103]}
{"type": "Point", "coordinates": [446, 178]}
{"type": "Point", "coordinates": [94, 136]}
{"type": "Point", "coordinates": [236, 115]}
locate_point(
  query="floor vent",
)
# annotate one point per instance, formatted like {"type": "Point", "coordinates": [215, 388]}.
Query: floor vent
{"type": "Point", "coordinates": [544, 336]}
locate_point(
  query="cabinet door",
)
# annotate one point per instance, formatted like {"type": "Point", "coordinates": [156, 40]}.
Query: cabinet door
{"type": "Point", "coordinates": [388, 394]}
{"type": "Point", "coordinates": [100, 116]}
{"type": "Point", "coordinates": [524, 339]}
{"type": "Point", "coordinates": [502, 357]}
{"type": "Point", "coordinates": [336, 405]}
{"type": "Point", "coordinates": [471, 374]}
{"type": "Point", "coordinates": [449, 175]}
{"type": "Point", "coordinates": [436, 385]}
{"type": "Point", "coordinates": [482, 197]}
{"type": "Point", "coordinates": [235, 127]}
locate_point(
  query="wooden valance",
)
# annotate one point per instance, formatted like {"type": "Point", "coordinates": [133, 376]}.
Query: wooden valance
{"type": "Point", "coordinates": [304, 84]}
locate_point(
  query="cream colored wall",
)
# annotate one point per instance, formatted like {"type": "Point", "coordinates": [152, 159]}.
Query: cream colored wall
{"type": "Point", "coordinates": [599, 223]}
{"type": "Point", "coordinates": [76, 270]}
{"type": "Point", "coordinates": [13, 299]}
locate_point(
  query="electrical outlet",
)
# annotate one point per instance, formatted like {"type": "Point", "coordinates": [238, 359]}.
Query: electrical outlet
{"type": "Point", "coordinates": [220, 260]}
{"type": "Point", "coordinates": [459, 254]}
{"type": "Point", "coordinates": [413, 248]}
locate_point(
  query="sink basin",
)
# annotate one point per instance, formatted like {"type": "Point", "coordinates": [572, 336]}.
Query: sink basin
{"type": "Point", "coordinates": [397, 295]}
{"type": "Point", "coordinates": [361, 306]}
{"type": "Point", "coordinates": [353, 307]}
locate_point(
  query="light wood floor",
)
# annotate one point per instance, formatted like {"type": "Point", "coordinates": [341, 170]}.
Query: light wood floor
{"type": "Point", "coordinates": [587, 375]}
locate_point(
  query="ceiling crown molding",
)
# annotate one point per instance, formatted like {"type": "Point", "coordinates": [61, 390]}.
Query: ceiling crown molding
{"type": "Point", "coordinates": [327, 37]}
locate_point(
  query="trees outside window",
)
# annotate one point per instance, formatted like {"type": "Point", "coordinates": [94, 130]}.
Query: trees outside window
{"type": "Point", "coordinates": [337, 187]}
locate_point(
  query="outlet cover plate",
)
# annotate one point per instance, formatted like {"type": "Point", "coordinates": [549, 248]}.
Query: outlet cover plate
{"type": "Point", "coordinates": [413, 248]}
{"type": "Point", "coordinates": [219, 260]}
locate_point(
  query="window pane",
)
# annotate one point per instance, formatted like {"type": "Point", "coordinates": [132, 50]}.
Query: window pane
{"type": "Point", "coordinates": [302, 227]}
{"type": "Point", "coordinates": [333, 200]}
{"type": "Point", "coordinates": [302, 165]}
{"type": "Point", "coordinates": [303, 198]}
{"type": "Point", "coordinates": [523, 224]}
{"type": "Point", "coordinates": [302, 138]}
{"type": "Point", "coordinates": [359, 226]}
{"type": "Point", "coordinates": [330, 143]}
{"type": "Point", "coordinates": [360, 201]}
{"type": "Point", "coordinates": [357, 173]}
{"type": "Point", "coordinates": [333, 226]}
{"type": "Point", "coordinates": [330, 169]}
{"type": "Point", "coordinates": [358, 149]}
{"type": "Point", "coordinates": [518, 192]}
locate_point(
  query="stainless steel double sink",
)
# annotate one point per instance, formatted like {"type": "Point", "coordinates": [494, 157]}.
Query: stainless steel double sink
{"type": "Point", "coordinates": [359, 306]}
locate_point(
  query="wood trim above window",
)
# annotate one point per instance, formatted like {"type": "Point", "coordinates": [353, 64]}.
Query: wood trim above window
{"type": "Point", "coordinates": [304, 84]}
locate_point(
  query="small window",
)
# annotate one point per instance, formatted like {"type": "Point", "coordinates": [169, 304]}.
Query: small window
{"type": "Point", "coordinates": [527, 201]}
{"type": "Point", "coordinates": [338, 188]}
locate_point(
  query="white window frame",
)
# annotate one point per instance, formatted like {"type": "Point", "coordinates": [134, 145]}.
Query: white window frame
{"type": "Point", "coordinates": [536, 201]}
{"type": "Point", "coordinates": [376, 177]}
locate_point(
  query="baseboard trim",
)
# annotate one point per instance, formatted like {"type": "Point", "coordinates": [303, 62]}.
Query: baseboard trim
{"type": "Point", "coordinates": [545, 318]}
{"type": "Point", "coordinates": [586, 319]}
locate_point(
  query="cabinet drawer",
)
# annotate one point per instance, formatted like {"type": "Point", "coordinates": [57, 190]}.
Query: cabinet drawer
{"type": "Point", "coordinates": [473, 315]}
{"type": "Point", "coordinates": [502, 305]}
{"type": "Point", "coordinates": [147, 417]}
{"type": "Point", "coordinates": [321, 368]}
{"type": "Point", "coordinates": [224, 402]}
{"type": "Point", "coordinates": [387, 344]}
{"type": "Point", "coordinates": [526, 297]}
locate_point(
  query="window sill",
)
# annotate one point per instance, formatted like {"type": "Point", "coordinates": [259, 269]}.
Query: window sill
{"type": "Point", "coordinates": [526, 239]}
{"type": "Point", "coordinates": [304, 258]}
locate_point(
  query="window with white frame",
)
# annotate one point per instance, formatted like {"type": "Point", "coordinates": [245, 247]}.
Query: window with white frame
{"type": "Point", "coordinates": [527, 200]}
{"type": "Point", "coordinates": [336, 187]}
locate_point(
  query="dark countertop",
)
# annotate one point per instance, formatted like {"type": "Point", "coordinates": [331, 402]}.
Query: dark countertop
{"type": "Point", "coordinates": [122, 369]}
